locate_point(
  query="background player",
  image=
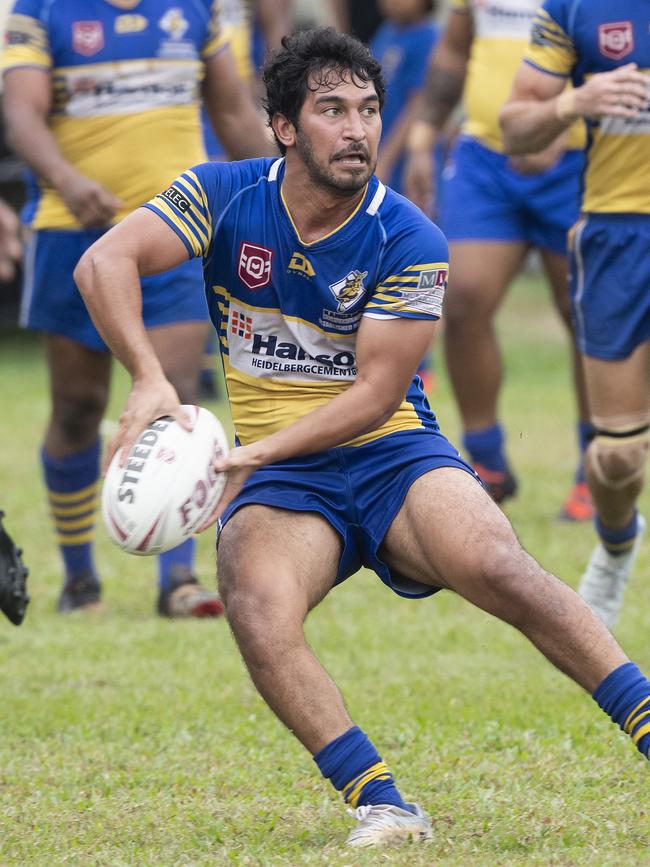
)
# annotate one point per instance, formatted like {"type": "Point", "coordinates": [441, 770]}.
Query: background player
{"type": "Point", "coordinates": [402, 45]}
{"type": "Point", "coordinates": [103, 107]}
{"type": "Point", "coordinates": [492, 210]}
{"type": "Point", "coordinates": [606, 54]}
{"type": "Point", "coordinates": [342, 463]}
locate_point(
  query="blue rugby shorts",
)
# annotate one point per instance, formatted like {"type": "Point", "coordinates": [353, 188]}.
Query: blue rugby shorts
{"type": "Point", "coordinates": [483, 199]}
{"type": "Point", "coordinates": [359, 490]}
{"type": "Point", "coordinates": [610, 283]}
{"type": "Point", "coordinates": [51, 301]}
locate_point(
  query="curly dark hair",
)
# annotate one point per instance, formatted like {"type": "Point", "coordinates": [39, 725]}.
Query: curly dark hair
{"type": "Point", "coordinates": [309, 60]}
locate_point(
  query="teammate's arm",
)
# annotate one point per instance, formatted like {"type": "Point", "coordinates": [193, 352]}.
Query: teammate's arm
{"type": "Point", "coordinates": [108, 277]}
{"type": "Point", "coordinates": [232, 111]}
{"type": "Point", "coordinates": [388, 354]}
{"type": "Point", "coordinates": [442, 92]}
{"type": "Point", "coordinates": [27, 102]}
{"type": "Point", "coordinates": [539, 108]}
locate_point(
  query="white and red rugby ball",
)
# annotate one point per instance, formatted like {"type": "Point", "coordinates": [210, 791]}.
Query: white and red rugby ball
{"type": "Point", "coordinates": [168, 486]}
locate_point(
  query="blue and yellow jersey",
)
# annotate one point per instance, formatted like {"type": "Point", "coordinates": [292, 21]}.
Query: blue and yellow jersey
{"type": "Point", "coordinates": [577, 39]}
{"type": "Point", "coordinates": [286, 311]}
{"type": "Point", "coordinates": [501, 35]}
{"type": "Point", "coordinates": [111, 62]}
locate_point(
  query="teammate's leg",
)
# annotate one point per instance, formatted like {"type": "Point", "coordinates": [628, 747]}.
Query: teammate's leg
{"type": "Point", "coordinates": [470, 548]}
{"type": "Point", "coordinates": [180, 350]}
{"type": "Point", "coordinates": [620, 397]}
{"type": "Point", "coordinates": [79, 384]}
{"type": "Point", "coordinates": [480, 273]}
{"type": "Point", "coordinates": [274, 567]}
{"type": "Point", "coordinates": [578, 505]}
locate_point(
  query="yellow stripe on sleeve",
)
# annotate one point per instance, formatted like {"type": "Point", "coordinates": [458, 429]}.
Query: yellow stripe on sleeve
{"type": "Point", "coordinates": [26, 43]}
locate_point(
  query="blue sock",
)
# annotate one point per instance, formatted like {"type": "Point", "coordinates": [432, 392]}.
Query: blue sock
{"type": "Point", "coordinates": [625, 696]}
{"type": "Point", "coordinates": [73, 492]}
{"type": "Point", "coordinates": [355, 768]}
{"type": "Point", "coordinates": [618, 541]}
{"type": "Point", "coordinates": [486, 447]}
{"type": "Point", "coordinates": [182, 556]}
{"type": "Point", "coordinates": [586, 432]}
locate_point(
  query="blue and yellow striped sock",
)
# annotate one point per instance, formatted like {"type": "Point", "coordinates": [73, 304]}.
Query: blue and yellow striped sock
{"type": "Point", "coordinates": [619, 541]}
{"type": "Point", "coordinates": [625, 695]}
{"type": "Point", "coordinates": [73, 492]}
{"type": "Point", "coordinates": [354, 767]}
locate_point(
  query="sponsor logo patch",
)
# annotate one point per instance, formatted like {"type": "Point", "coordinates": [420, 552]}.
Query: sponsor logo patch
{"type": "Point", "coordinates": [173, 195]}
{"type": "Point", "coordinates": [241, 325]}
{"type": "Point", "coordinates": [87, 37]}
{"type": "Point", "coordinates": [349, 289]}
{"type": "Point", "coordinates": [301, 263]}
{"type": "Point", "coordinates": [435, 279]}
{"type": "Point", "coordinates": [254, 267]}
{"type": "Point", "coordinates": [616, 40]}
{"type": "Point", "coordinates": [130, 24]}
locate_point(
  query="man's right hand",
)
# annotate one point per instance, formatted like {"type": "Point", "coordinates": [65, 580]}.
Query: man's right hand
{"type": "Point", "coordinates": [91, 203]}
{"type": "Point", "coordinates": [623, 92]}
{"type": "Point", "coordinates": [149, 399]}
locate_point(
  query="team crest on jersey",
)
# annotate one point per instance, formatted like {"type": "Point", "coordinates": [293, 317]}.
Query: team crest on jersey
{"type": "Point", "coordinates": [301, 263]}
{"type": "Point", "coordinates": [254, 265]}
{"type": "Point", "coordinates": [174, 23]}
{"type": "Point", "coordinates": [616, 40]}
{"type": "Point", "coordinates": [87, 37]}
{"type": "Point", "coordinates": [348, 290]}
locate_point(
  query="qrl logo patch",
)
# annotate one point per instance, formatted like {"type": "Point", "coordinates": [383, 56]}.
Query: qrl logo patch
{"type": "Point", "coordinates": [254, 265]}
{"type": "Point", "coordinates": [616, 40]}
{"type": "Point", "coordinates": [87, 37]}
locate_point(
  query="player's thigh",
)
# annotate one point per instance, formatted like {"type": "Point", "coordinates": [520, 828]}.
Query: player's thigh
{"type": "Point", "coordinates": [449, 533]}
{"type": "Point", "coordinates": [480, 272]}
{"type": "Point", "coordinates": [277, 559]}
{"type": "Point", "coordinates": [619, 389]}
{"type": "Point", "coordinates": [180, 347]}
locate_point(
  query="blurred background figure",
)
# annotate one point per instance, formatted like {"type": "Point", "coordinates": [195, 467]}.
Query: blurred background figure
{"type": "Point", "coordinates": [493, 210]}
{"type": "Point", "coordinates": [402, 44]}
{"type": "Point", "coordinates": [10, 247]}
{"type": "Point", "coordinates": [102, 104]}
{"type": "Point", "coordinates": [252, 27]}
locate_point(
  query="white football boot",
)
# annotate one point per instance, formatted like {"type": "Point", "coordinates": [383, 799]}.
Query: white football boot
{"type": "Point", "coordinates": [381, 824]}
{"type": "Point", "coordinates": [603, 584]}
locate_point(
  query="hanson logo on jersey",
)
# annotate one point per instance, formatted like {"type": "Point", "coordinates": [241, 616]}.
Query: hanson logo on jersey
{"type": "Point", "coordinates": [349, 290]}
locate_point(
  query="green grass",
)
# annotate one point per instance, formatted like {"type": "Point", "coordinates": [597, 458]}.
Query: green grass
{"type": "Point", "coordinates": [128, 740]}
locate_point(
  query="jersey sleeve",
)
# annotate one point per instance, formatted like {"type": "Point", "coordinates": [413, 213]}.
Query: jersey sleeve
{"type": "Point", "coordinates": [217, 36]}
{"type": "Point", "coordinates": [26, 37]}
{"type": "Point", "coordinates": [551, 47]}
{"type": "Point", "coordinates": [413, 275]}
{"type": "Point", "coordinates": [187, 207]}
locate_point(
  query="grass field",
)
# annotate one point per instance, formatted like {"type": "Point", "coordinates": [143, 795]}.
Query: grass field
{"type": "Point", "coordinates": [129, 740]}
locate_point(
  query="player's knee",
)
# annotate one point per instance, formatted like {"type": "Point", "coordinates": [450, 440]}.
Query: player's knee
{"type": "Point", "coordinates": [78, 415]}
{"type": "Point", "coordinates": [618, 458]}
{"type": "Point", "coordinates": [463, 305]}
